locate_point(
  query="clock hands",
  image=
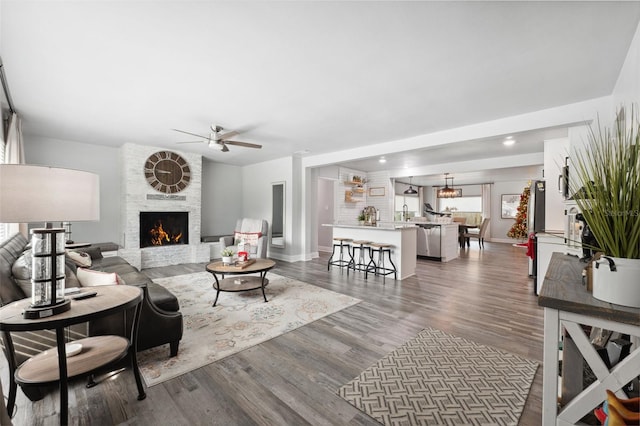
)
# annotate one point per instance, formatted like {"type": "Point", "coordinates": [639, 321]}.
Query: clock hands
{"type": "Point", "coordinates": [166, 172]}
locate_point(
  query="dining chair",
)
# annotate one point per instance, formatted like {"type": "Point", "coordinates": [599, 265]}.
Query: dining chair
{"type": "Point", "coordinates": [480, 234]}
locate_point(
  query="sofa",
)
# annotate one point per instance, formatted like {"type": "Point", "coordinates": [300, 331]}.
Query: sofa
{"type": "Point", "coordinates": [160, 320]}
{"type": "Point", "coordinates": [251, 231]}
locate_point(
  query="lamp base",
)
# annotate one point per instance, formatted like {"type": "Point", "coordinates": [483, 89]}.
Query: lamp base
{"type": "Point", "coordinates": [36, 312]}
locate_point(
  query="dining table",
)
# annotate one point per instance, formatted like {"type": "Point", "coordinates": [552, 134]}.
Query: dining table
{"type": "Point", "coordinates": [463, 228]}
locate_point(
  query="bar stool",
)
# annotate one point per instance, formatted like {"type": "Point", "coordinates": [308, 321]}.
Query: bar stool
{"type": "Point", "coordinates": [363, 247]}
{"type": "Point", "coordinates": [341, 243]}
{"type": "Point", "coordinates": [380, 268]}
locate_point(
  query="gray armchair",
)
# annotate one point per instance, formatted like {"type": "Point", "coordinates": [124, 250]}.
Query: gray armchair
{"type": "Point", "coordinates": [252, 231]}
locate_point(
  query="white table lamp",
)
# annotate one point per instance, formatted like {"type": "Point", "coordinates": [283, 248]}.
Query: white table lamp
{"type": "Point", "coordinates": [31, 193]}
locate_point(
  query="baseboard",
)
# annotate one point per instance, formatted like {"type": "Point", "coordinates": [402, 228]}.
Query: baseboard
{"type": "Point", "coordinates": [294, 258]}
{"type": "Point", "coordinates": [504, 240]}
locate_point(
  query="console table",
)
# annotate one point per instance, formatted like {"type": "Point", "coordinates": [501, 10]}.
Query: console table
{"type": "Point", "coordinates": [97, 352]}
{"type": "Point", "coordinates": [568, 305]}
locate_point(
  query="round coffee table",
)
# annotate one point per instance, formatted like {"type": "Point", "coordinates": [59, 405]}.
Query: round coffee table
{"type": "Point", "coordinates": [247, 283]}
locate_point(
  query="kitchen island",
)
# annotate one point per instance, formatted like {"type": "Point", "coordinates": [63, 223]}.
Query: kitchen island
{"type": "Point", "coordinates": [401, 236]}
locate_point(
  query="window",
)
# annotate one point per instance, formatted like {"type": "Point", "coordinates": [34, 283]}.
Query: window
{"type": "Point", "coordinates": [461, 204]}
{"type": "Point", "coordinates": [413, 205]}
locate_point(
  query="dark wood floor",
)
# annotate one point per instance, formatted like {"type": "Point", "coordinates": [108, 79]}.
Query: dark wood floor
{"type": "Point", "coordinates": [484, 296]}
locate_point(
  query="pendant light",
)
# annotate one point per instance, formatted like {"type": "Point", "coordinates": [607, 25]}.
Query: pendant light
{"type": "Point", "coordinates": [448, 191]}
{"type": "Point", "coordinates": [410, 191]}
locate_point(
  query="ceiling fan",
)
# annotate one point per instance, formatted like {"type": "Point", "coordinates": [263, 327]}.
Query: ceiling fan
{"type": "Point", "coordinates": [217, 139]}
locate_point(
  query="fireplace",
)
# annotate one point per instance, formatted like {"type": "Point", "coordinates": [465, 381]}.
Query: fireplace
{"type": "Point", "coordinates": [163, 229]}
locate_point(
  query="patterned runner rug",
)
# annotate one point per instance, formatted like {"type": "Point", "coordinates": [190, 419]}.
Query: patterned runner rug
{"type": "Point", "coordinates": [239, 320]}
{"type": "Point", "coordinates": [439, 379]}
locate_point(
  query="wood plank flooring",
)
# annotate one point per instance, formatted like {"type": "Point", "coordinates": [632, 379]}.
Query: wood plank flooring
{"type": "Point", "coordinates": [484, 296]}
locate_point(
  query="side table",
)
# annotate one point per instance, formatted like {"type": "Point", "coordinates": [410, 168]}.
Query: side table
{"type": "Point", "coordinates": [568, 305]}
{"type": "Point", "coordinates": [97, 352]}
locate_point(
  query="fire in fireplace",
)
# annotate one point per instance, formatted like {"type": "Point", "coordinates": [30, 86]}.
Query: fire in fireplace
{"type": "Point", "coordinates": [163, 228]}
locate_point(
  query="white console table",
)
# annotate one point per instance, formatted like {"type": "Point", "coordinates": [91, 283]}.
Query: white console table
{"type": "Point", "coordinates": [567, 306]}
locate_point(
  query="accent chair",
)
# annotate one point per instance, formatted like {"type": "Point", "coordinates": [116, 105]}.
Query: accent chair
{"type": "Point", "coordinates": [250, 231]}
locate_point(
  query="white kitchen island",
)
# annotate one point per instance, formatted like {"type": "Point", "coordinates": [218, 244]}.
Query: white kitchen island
{"type": "Point", "coordinates": [401, 236]}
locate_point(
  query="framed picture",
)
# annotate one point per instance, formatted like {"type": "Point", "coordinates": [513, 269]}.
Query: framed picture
{"type": "Point", "coordinates": [377, 191]}
{"type": "Point", "coordinates": [509, 206]}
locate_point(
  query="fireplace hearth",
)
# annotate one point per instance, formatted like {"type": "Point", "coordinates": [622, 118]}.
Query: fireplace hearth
{"type": "Point", "coordinates": [164, 229]}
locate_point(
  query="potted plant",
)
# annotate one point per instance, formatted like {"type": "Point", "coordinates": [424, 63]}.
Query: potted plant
{"type": "Point", "coordinates": [362, 218]}
{"type": "Point", "coordinates": [227, 256]}
{"type": "Point", "coordinates": [605, 184]}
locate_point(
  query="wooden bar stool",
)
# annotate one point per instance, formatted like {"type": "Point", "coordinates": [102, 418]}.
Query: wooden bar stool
{"type": "Point", "coordinates": [379, 268]}
{"type": "Point", "coordinates": [363, 248]}
{"type": "Point", "coordinates": [341, 243]}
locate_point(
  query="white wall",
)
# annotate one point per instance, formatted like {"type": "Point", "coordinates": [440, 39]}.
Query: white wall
{"type": "Point", "coordinates": [256, 201]}
{"type": "Point", "coordinates": [498, 226]}
{"type": "Point", "coordinates": [627, 87]}
{"type": "Point", "coordinates": [98, 159]}
{"type": "Point", "coordinates": [221, 198]}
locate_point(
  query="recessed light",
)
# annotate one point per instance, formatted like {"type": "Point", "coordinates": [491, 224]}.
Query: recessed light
{"type": "Point", "coordinates": [382, 160]}
{"type": "Point", "coordinates": [509, 142]}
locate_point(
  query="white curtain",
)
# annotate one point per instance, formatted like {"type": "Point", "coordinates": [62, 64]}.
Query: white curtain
{"type": "Point", "coordinates": [486, 206]}
{"type": "Point", "coordinates": [13, 154]}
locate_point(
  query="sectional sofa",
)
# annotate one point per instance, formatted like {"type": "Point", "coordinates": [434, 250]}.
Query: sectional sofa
{"type": "Point", "coordinates": [160, 321]}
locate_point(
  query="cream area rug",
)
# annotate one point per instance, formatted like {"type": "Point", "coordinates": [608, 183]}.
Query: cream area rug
{"type": "Point", "coordinates": [440, 379]}
{"type": "Point", "coordinates": [239, 320]}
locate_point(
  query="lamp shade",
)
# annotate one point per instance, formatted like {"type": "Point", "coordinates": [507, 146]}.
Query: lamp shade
{"type": "Point", "coordinates": [31, 193]}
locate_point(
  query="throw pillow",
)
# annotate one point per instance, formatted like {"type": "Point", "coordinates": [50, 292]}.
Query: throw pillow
{"type": "Point", "coordinates": [89, 278]}
{"type": "Point", "coordinates": [79, 258]}
{"type": "Point", "coordinates": [22, 269]}
{"type": "Point", "coordinates": [248, 237]}
{"type": "Point", "coordinates": [94, 252]}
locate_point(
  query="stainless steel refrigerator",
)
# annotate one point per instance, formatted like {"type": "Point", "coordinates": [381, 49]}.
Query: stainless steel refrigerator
{"type": "Point", "coordinates": [535, 224]}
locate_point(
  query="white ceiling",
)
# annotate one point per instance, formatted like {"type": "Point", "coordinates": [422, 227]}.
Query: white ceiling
{"type": "Point", "coordinates": [294, 76]}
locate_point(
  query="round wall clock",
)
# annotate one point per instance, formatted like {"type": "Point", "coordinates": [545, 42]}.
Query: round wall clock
{"type": "Point", "coordinates": [167, 172]}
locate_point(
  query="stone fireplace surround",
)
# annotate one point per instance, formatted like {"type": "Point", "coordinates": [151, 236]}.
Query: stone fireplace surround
{"type": "Point", "coordinates": [135, 198]}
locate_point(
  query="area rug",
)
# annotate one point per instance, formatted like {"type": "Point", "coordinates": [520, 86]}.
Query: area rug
{"type": "Point", "coordinates": [239, 320]}
{"type": "Point", "coordinates": [439, 379]}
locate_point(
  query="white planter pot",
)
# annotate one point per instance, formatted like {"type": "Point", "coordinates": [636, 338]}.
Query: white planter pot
{"type": "Point", "coordinates": [227, 260]}
{"type": "Point", "coordinates": [617, 280]}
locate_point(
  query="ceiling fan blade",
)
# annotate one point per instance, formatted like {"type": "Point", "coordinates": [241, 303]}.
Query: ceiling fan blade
{"type": "Point", "coordinates": [224, 148]}
{"type": "Point", "coordinates": [191, 142]}
{"type": "Point", "coordinates": [245, 144]}
{"type": "Point", "coordinates": [189, 133]}
{"type": "Point", "coordinates": [226, 136]}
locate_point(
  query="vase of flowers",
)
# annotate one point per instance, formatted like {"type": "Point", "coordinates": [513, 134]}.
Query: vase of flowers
{"type": "Point", "coordinates": [605, 184]}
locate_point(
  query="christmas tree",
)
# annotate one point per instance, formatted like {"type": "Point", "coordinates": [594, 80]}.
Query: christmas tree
{"type": "Point", "coordinates": [519, 229]}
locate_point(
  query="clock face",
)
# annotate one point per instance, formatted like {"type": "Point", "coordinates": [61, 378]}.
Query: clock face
{"type": "Point", "coordinates": [167, 172]}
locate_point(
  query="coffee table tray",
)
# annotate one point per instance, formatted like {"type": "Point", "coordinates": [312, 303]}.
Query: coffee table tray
{"type": "Point", "coordinates": [238, 265]}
